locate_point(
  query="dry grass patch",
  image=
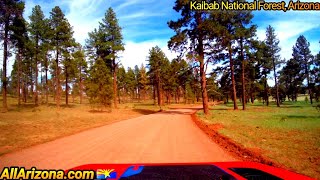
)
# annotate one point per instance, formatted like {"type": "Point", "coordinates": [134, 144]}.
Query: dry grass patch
{"type": "Point", "coordinates": [28, 125]}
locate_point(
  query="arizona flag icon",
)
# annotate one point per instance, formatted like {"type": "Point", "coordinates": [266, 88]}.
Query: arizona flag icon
{"type": "Point", "coordinates": [106, 174]}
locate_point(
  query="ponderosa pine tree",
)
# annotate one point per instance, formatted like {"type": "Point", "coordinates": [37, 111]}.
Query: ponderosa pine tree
{"type": "Point", "coordinates": [172, 82]}
{"type": "Point", "coordinates": [156, 60]}
{"type": "Point", "coordinates": [69, 66]}
{"type": "Point", "coordinates": [121, 83]}
{"type": "Point", "coordinates": [223, 29]}
{"type": "Point", "coordinates": [266, 67]}
{"type": "Point", "coordinates": [291, 78]}
{"type": "Point", "coordinates": [244, 33]}
{"type": "Point", "coordinates": [167, 80]}
{"type": "Point", "coordinates": [9, 9]}
{"type": "Point", "coordinates": [62, 35]}
{"type": "Point", "coordinates": [37, 28]}
{"type": "Point", "coordinates": [137, 88]}
{"type": "Point", "coordinates": [184, 78]}
{"type": "Point", "coordinates": [106, 42]}
{"type": "Point", "coordinates": [190, 33]}
{"type": "Point", "coordinates": [273, 50]}
{"type": "Point", "coordinates": [20, 40]}
{"type": "Point", "coordinates": [46, 55]}
{"type": "Point", "coordinates": [98, 87]}
{"type": "Point", "coordinates": [302, 54]}
{"type": "Point", "coordinates": [143, 81]}
{"type": "Point", "coordinates": [114, 44]}
{"type": "Point", "coordinates": [131, 83]}
{"type": "Point", "coordinates": [81, 65]}
{"type": "Point", "coordinates": [254, 74]}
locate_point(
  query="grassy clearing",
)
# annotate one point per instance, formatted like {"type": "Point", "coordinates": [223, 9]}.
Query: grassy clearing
{"type": "Point", "coordinates": [29, 125]}
{"type": "Point", "coordinates": [289, 135]}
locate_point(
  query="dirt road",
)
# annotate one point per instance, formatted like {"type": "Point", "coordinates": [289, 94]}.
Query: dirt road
{"type": "Point", "coordinates": [164, 137]}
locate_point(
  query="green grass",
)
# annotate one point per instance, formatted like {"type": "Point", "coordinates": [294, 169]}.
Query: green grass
{"type": "Point", "coordinates": [289, 135]}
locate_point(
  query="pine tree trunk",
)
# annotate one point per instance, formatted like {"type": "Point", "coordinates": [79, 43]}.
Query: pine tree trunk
{"type": "Point", "coordinates": [19, 77]}
{"type": "Point", "coordinates": [308, 81]}
{"type": "Point", "coordinates": [154, 95]}
{"type": "Point", "coordinates": [227, 97]}
{"type": "Point", "coordinates": [276, 83]}
{"type": "Point", "coordinates": [243, 78]}
{"type": "Point", "coordinates": [234, 98]}
{"type": "Point", "coordinates": [24, 93]}
{"type": "Point", "coordinates": [159, 93]}
{"type": "Point", "coordinates": [32, 84]}
{"type": "Point", "coordinates": [4, 72]}
{"type": "Point", "coordinates": [119, 100]}
{"type": "Point", "coordinates": [266, 97]}
{"type": "Point", "coordinates": [203, 80]}
{"type": "Point", "coordinates": [57, 96]}
{"type": "Point", "coordinates": [139, 96]}
{"type": "Point", "coordinates": [252, 99]}
{"type": "Point", "coordinates": [114, 83]}
{"type": "Point", "coordinates": [36, 102]}
{"type": "Point", "coordinates": [46, 86]}
{"type": "Point", "coordinates": [80, 86]}
{"type": "Point", "coordinates": [67, 88]}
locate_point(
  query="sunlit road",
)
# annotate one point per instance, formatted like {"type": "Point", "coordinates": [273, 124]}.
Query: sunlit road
{"type": "Point", "coordinates": [165, 137]}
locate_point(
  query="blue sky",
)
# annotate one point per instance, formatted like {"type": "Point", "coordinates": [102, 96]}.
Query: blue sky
{"type": "Point", "coordinates": [144, 24]}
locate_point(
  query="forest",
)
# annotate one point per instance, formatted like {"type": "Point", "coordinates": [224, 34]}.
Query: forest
{"type": "Point", "coordinates": [221, 59]}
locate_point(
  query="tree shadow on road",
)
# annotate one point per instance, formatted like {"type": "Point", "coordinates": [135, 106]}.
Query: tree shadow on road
{"type": "Point", "coordinates": [144, 111]}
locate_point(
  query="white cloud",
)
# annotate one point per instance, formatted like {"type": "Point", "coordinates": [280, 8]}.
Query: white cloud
{"type": "Point", "coordinates": [137, 53]}
{"type": "Point", "coordinates": [84, 16]}
{"type": "Point", "coordinates": [289, 27]}
{"type": "Point", "coordinates": [140, 14]}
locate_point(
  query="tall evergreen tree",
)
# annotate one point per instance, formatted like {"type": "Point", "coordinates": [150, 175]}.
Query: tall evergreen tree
{"type": "Point", "coordinates": [81, 65]}
{"type": "Point", "coordinates": [302, 54]}
{"type": "Point", "coordinates": [111, 26]}
{"type": "Point", "coordinates": [137, 77]}
{"type": "Point", "coordinates": [69, 67]}
{"type": "Point", "coordinates": [291, 78]}
{"type": "Point", "coordinates": [273, 50]}
{"type": "Point", "coordinates": [265, 66]}
{"type": "Point", "coordinates": [98, 87]}
{"type": "Point", "coordinates": [122, 86]}
{"type": "Point", "coordinates": [131, 83]}
{"type": "Point", "coordinates": [244, 32]}
{"type": "Point", "coordinates": [106, 42]}
{"type": "Point", "coordinates": [47, 46]}
{"type": "Point", "coordinates": [9, 9]}
{"type": "Point", "coordinates": [191, 28]}
{"type": "Point", "coordinates": [37, 29]}
{"type": "Point", "coordinates": [143, 81]}
{"type": "Point", "coordinates": [224, 29]}
{"type": "Point", "coordinates": [157, 59]}
{"type": "Point", "coordinates": [20, 39]}
{"type": "Point", "coordinates": [62, 35]}
{"type": "Point", "coordinates": [254, 72]}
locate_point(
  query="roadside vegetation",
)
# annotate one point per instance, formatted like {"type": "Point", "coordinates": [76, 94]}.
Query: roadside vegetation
{"type": "Point", "coordinates": [288, 136]}
{"type": "Point", "coordinates": [29, 125]}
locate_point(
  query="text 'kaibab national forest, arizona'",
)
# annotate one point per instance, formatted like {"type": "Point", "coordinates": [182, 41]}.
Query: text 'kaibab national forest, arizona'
{"type": "Point", "coordinates": [256, 5]}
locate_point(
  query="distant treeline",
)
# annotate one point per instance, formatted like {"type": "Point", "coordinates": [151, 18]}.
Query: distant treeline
{"type": "Point", "coordinates": [49, 62]}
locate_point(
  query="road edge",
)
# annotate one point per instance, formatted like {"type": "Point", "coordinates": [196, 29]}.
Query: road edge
{"type": "Point", "coordinates": [235, 149]}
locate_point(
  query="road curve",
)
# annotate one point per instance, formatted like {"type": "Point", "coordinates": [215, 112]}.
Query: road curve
{"type": "Point", "coordinates": [166, 137]}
